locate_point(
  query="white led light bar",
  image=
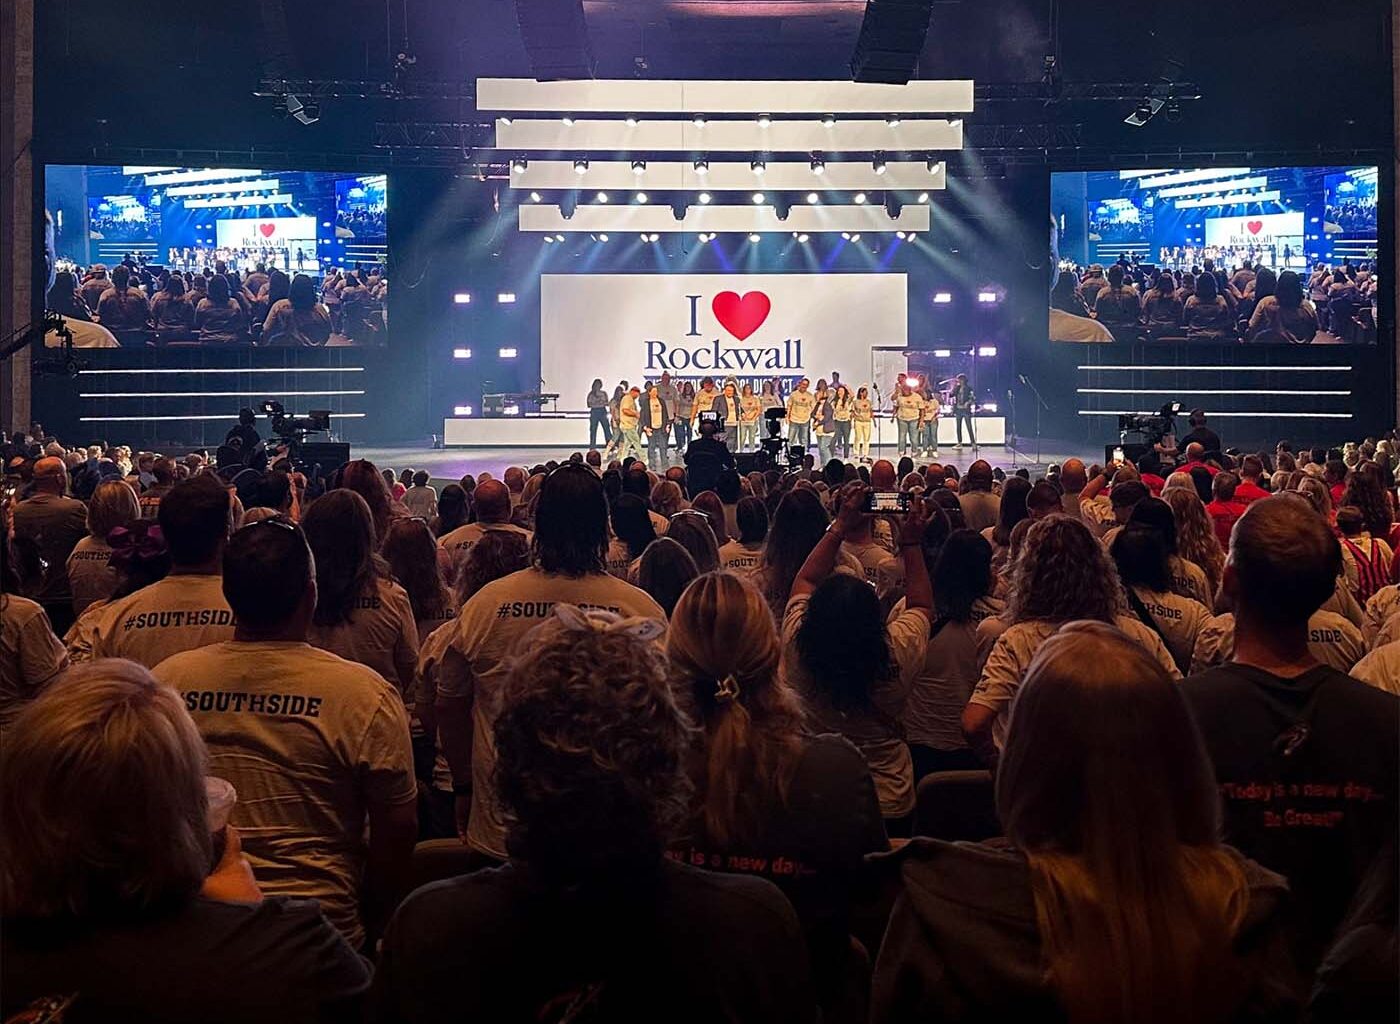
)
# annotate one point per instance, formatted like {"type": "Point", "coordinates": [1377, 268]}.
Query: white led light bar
{"type": "Point", "coordinates": [727, 218]}
{"type": "Point", "coordinates": [1229, 199]}
{"type": "Point", "coordinates": [711, 97]}
{"type": "Point", "coordinates": [679, 175]}
{"type": "Point", "coordinates": [1213, 186]}
{"type": "Point", "coordinates": [259, 185]}
{"type": "Point", "coordinates": [207, 174]}
{"type": "Point", "coordinates": [1182, 177]}
{"type": "Point", "coordinates": [595, 136]}
{"type": "Point", "coordinates": [276, 199]}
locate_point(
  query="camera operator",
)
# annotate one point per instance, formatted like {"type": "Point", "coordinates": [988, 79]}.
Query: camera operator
{"type": "Point", "coordinates": [707, 456]}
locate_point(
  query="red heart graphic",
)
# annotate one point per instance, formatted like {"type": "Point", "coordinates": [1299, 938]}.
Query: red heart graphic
{"type": "Point", "coordinates": [267, 229]}
{"type": "Point", "coordinates": [741, 316]}
{"type": "Point", "coordinates": [1254, 226]}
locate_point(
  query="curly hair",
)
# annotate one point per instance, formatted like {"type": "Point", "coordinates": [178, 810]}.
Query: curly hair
{"type": "Point", "coordinates": [590, 753]}
{"type": "Point", "coordinates": [1366, 491]}
{"type": "Point", "coordinates": [1195, 536]}
{"type": "Point", "coordinates": [1062, 574]}
{"type": "Point", "coordinates": [499, 553]}
{"type": "Point", "coordinates": [749, 744]}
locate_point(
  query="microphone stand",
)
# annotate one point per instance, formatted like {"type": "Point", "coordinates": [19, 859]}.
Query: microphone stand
{"type": "Point", "coordinates": [879, 401]}
{"type": "Point", "coordinates": [1040, 404]}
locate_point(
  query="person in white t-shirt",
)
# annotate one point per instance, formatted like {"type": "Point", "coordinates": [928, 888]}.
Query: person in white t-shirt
{"type": "Point", "coordinates": [361, 613]}
{"type": "Point", "coordinates": [491, 504]}
{"type": "Point", "coordinates": [855, 669]}
{"type": "Point", "coordinates": [1380, 668]}
{"type": "Point", "coordinates": [421, 498]}
{"type": "Point", "coordinates": [316, 746]}
{"type": "Point", "coordinates": [1062, 575]}
{"type": "Point", "coordinates": [90, 575]}
{"type": "Point", "coordinates": [30, 655]}
{"type": "Point", "coordinates": [570, 545]}
{"type": "Point", "coordinates": [742, 555]}
{"type": "Point", "coordinates": [1143, 569]}
{"type": "Point", "coordinates": [1332, 639]}
{"type": "Point", "coordinates": [186, 609]}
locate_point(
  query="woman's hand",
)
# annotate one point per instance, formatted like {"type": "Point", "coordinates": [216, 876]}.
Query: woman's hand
{"type": "Point", "coordinates": [851, 513]}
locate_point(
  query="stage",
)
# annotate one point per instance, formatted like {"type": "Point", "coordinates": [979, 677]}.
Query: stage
{"type": "Point", "coordinates": [449, 465]}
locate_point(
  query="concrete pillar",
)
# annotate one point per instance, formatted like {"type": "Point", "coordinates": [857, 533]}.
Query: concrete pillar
{"type": "Point", "coordinates": [17, 229]}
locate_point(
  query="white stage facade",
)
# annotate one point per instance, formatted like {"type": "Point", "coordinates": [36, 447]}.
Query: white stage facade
{"type": "Point", "coordinates": [570, 431]}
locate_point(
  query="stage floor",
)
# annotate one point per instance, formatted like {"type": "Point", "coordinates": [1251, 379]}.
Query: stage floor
{"type": "Point", "coordinates": [449, 464]}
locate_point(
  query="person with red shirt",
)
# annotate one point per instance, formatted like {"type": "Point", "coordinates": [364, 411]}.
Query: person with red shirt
{"type": "Point", "coordinates": [1224, 509]}
{"type": "Point", "coordinates": [1196, 456]}
{"type": "Point", "coordinates": [1251, 470]}
{"type": "Point", "coordinates": [1149, 467]}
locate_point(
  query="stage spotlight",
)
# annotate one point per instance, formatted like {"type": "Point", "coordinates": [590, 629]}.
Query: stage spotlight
{"type": "Point", "coordinates": [802, 238]}
{"type": "Point", "coordinates": [859, 198]}
{"type": "Point", "coordinates": [758, 166]}
{"type": "Point", "coordinates": [923, 197]}
{"type": "Point", "coordinates": [764, 120]}
{"type": "Point", "coordinates": [899, 235]}
{"type": "Point", "coordinates": [549, 239]}
{"type": "Point", "coordinates": [507, 121]}
{"type": "Point", "coordinates": [878, 164]}
{"type": "Point", "coordinates": [506, 297]}
{"type": "Point", "coordinates": [639, 166]}
{"type": "Point", "coordinates": [602, 197]}
{"type": "Point", "coordinates": [892, 120]}
{"type": "Point", "coordinates": [942, 353]}
{"type": "Point", "coordinates": [828, 120]}
{"type": "Point", "coordinates": [704, 198]}
{"type": "Point", "coordinates": [818, 166]}
{"type": "Point", "coordinates": [643, 236]}
{"type": "Point", "coordinates": [701, 166]}
{"type": "Point", "coordinates": [535, 197]}
{"type": "Point", "coordinates": [758, 197]}
{"type": "Point", "coordinates": [846, 235]}
{"type": "Point", "coordinates": [755, 236]}
{"type": "Point", "coordinates": [813, 198]}
{"type": "Point", "coordinates": [461, 410]}
{"type": "Point", "coordinates": [519, 164]}
{"type": "Point", "coordinates": [855, 236]}
{"type": "Point", "coordinates": [461, 353]}
{"type": "Point", "coordinates": [1146, 110]}
{"type": "Point", "coordinates": [698, 120]}
{"type": "Point", "coordinates": [631, 121]}
{"type": "Point", "coordinates": [942, 298]}
{"type": "Point", "coordinates": [568, 121]}
{"type": "Point", "coordinates": [986, 296]}
{"type": "Point", "coordinates": [988, 407]}
{"type": "Point", "coordinates": [642, 198]}
{"type": "Point", "coordinates": [462, 298]}
{"type": "Point", "coordinates": [986, 351]}
{"type": "Point", "coordinates": [603, 237]}
{"type": "Point", "coordinates": [508, 353]}
{"type": "Point", "coordinates": [580, 166]}
{"type": "Point", "coordinates": [934, 166]}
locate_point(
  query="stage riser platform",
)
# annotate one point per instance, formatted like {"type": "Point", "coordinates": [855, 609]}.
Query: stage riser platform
{"type": "Point", "coordinates": [571, 433]}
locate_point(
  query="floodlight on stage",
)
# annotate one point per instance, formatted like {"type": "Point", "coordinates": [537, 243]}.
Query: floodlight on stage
{"type": "Point", "coordinates": [912, 379]}
{"type": "Point", "coordinates": [934, 166]}
{"type": "Point", "coordinates": [558, 238]}
{"type": "Point", "coordinates": [535, 197]}
{"type": "Point", "coordinates": [462, 298]}
{"type": "Point", "coordinates": [507, 121]}
{"type": "Point", "coordinates": [802, 238]}
{"type": "Point", "coordinates": [859, 198]}
{"type": "Point", "coordinates": [942, 298]}
{"type": "Point", "coordinates": [701, 166]}
{"type": "Point", "coordinates": [764, 120]}
{"type": "Point", "coordinates": [855, 237]}
{"type": "Point", "coordinates": [461, 353]}
{"type": "Point", "coordinates": [899, 235]}
{"type": "Point", "coordinates": [846, 235]}
{"type": "Point", "coordinates": [818, 166]}
{"type": "Point", "coordinates": [758, 197]}
{"type": "Point", "coordinates": [986, 351]}
{"type": "Point", "coordinates": [755, 237]}
{"type": "Point", "coordinates": [505, 297]}
{"type": "Point", "coordinates": [602, 197]}
{"type": "Point", "coordinates": [989, 407]}
{"type": "Point", "coordinates": [813, 198]}
{"type": "Point", "coordinates": [879, 165]}
{"type": "Point", "coordinates": [568, 121]}
{"type": "Point", "coordinates": [507, 353]}
{"type": "Point", "coordinates": [639, 166]}
{"type": "Point", "coordinates": [603, 236]}
{"type": "Point", "coordinates": [892, 120]}
{"type": "Point", "coordinates": [461, 410]}
{"type": "Point", "coordinates": [828, 120]}
{"type": "Point", "coordinates": [758, 166]}
{"type": "Point", "coordinates": [704, 198]}
{"type": "Point", "coordinates": [642, 198]}
{"type": "Point", "coordinates": [942, 353]}
{"type": "Point", "coordinates": [923, 197]}
{"type": "Point", "coordinates": [580, 166]}
{"type": "Point", "coordinates": [986, 296]}
{"type": "Point", "coordinates": [698, 120]}
{"type": "Point", "coordinates": [518, 165]}
{"type": "Point", "coordinates": [631, 121]}
{"type": "Point", "coordinates": [511, 410]}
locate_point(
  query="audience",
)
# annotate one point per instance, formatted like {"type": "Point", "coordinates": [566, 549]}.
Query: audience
{"type": "Point", "coordinates": [356, 686]}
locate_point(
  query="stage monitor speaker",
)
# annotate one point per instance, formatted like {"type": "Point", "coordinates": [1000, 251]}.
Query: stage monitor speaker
{"type": "Point", "coordinates": [329, 455]}
{"type": "Point", "coordinates": [891, 39]}
{"type": "Point", "coordinates": [555, 35]}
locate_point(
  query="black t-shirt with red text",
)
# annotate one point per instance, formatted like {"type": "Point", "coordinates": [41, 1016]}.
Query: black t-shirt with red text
{"type": "Point", "coordinates": [1319, 814]}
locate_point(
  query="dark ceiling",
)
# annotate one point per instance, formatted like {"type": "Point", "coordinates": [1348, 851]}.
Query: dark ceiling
{"type": "Point", "coordinates": [1281, 76]}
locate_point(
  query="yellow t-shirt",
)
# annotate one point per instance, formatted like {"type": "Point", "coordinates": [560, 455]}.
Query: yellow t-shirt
{"type": "Point", "coordinates": [800, 406]}
{"type": "Point", "coordinates": [309, 740]}
{"type": "Point", "coordinates": [908, 407]}
{"type": "Point", "coordinates": [750, 408]}
{"type": "Point", "coordinates": [459, 542]}
{"type": "Point", "coordinates": [175, 614]}
{"type": "Point", "coordinates": [627, 415]}
{"type": "Point", "coordinates": [864, 410]}
{"type": "Point", "coordinates": [380, 633]}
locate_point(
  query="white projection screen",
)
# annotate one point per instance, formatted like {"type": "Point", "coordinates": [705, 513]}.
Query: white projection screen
{"type": "Point", "coordinates": [750, 326]}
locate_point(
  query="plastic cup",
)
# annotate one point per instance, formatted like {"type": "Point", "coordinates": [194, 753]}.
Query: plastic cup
{"type": "Point", "coordinates": [221, 796]}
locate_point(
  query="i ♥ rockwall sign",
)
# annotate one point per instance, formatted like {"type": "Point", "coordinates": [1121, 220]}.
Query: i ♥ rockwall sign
{"type": "Point", "coordinates": [634, 326]}
{"type": "Point", "coordinates": [270, 232]}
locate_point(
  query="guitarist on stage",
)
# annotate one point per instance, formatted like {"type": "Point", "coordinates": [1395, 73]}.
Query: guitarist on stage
{"type": "Point", "coordinates": [963, 397]}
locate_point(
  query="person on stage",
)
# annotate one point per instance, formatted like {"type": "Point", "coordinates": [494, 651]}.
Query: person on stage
{"type": "Point", "coordinates": [842, 408]}
{"type": "Point", "coordinates": [862, 419]}
{"type": "Point", "coordinates": [823, 423]}
{"type": "Point", "coordinates": [963, 398]}
{"type": "Point", "coordinates": [655, 419]}
{"type": "Point", "coordinates": [704, 399]}
{"type": "Point", "coordinates": [726, 403]}
{"type": "Point", "coordinates": [629, 419]}
{"type": "Point", "coordinates": [928, 418]}
{"type": "Point", "coordinates": [667, 390]}
{"type": "Point", "coordinates": [597, 405]}
{"type": "Point", "coordinates": [750, 409]}
{"type": "Point", "coordinates": [685, 414]}
{"type": "Point", "coordinates": [908, 412]}
{"type": "Point", "coordinates": [799, 415]}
